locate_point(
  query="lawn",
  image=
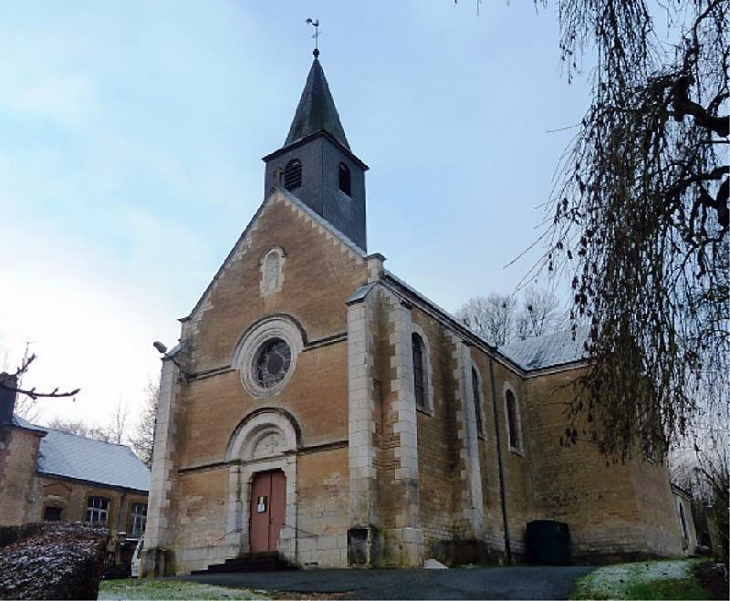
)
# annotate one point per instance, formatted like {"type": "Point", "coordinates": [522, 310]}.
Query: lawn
{"type": "Point", "coordinates": [170, 589]}
{"type": "Point", "coordinates": [642, 580]}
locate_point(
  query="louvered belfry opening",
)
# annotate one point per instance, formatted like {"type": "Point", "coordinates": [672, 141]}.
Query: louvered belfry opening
{"type": "Point", "coordinates": [293, 174]}
{"type": "Point", "coordinates": [345, 178]}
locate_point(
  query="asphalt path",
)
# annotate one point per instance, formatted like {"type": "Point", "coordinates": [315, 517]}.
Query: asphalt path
{"type": "Point", "coordinates": [516, 582]}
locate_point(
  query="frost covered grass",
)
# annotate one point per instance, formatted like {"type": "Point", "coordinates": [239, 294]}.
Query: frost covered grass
{"type": "Point", "coordinates": [171, 589]}
{"type": "Point", "coordinates": [642, 580]}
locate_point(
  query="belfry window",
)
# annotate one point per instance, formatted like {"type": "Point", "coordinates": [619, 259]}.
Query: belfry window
{"type": "Point", "coordinates": [293, 174]}
{"type": "Point", "coordinates": [477, 401]}
{"type": "Point", "coordinates": [345, 179]}
{"type": "Point", "coordinates": [419, 379]}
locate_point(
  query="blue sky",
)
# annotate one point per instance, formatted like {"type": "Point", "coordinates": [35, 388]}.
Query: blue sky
{"type": "Point", "coordinates": [131, 137]}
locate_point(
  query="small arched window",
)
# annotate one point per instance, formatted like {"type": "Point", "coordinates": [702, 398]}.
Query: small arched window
{"type": "Point", "coordinates": [419, 372]}
{"type": "Point", "coordinates": [345, 179]}
{"type": "Point", "coordinates": [683, 520]}
{"type": "Point", "coordinates": [293, 174]}
{"type": "Point", "coordinates": [513, 424]}
{"type": "Point", "coordinates": [476, 391]}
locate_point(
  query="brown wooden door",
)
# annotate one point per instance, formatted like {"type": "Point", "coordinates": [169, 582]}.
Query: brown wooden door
{"type": "Point", "coordinates": [268, 506]}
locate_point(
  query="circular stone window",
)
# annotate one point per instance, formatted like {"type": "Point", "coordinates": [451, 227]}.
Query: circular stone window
{"type": "Point", "coordinates": [272, 362]}
{"type": "Point", "coordinates": [266, 356]}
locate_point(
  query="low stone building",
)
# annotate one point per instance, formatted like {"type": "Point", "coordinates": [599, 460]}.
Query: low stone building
{"type": "Point", "coordinates": [50, 475]}
{"type": "Point", "coordinates": [319, 406]}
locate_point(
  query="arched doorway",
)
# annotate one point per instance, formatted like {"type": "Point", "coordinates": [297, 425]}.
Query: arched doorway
{"type": "Point", "coordinates": [268, 508]}
{"type": "Point", "coordinates": [262, 502]}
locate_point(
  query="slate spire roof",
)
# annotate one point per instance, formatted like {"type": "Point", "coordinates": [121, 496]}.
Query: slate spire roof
{"type": "Point", "coordinates": [316, 111]}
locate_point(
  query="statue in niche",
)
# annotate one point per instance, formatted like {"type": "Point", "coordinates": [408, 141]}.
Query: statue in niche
{"type": "Point", "coordinates": [271, 277]}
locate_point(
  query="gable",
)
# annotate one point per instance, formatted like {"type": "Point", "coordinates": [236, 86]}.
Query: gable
{"type": "Point", "coordinates": [320, 270]}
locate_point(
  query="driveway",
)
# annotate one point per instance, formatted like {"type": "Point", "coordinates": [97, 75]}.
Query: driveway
{"type": "Point", "coordinates": [517, 582]}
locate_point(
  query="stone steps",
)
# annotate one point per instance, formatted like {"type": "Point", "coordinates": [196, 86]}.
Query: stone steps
{"type": "Point", "coordinates": [269, 561]}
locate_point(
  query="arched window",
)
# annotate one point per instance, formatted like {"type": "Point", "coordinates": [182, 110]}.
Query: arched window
{"type": "Point", "coordinates": [477, 393]}
{"type": "Point", "coordinates": [293, 174]}
{"type": "Point", "coordinates": [683, 519]}
{"type": "Point", "coordinates": [513, 421]}
{"type": "Point", "coordinates": [345, 179]}
{"type": "Point", "coordinates": [419, 372]}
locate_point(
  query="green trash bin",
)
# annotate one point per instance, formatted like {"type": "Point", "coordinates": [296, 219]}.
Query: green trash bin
{"type": "Point", "coordinates": [548, 543]}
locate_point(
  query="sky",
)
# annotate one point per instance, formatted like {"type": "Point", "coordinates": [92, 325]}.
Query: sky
{"type": "Point", "coordinates": [131, 137]}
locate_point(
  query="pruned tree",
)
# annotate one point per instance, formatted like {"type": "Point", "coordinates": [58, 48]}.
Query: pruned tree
{"type": "Point", "coordinates": [490, 317]}
{"type": "Point", "coordinates": [640, 217]}
{"type": "Point", "coordinates": [144, 436]}
{"type": "Point", "coordinates": [13, 381]}
{"type": "Point", "coordinates": [538, 314]}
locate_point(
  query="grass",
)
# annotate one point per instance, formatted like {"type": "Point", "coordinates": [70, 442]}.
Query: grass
{"type": "Point", "coordinates": [642, 580]}
{"type": "Point", "coordinates": [143, 588]}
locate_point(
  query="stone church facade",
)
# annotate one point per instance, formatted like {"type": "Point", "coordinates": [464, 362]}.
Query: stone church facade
{"type": "Point", "coordinates": [318, 406]}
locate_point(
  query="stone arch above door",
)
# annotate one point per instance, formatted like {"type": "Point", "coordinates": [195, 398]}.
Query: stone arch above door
{"type": "Point", "coordinates": [264, 433]}
{"type": "Point", "coordinates": [264, 440]}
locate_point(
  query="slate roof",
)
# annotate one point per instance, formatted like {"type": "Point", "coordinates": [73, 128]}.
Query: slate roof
{"type": "Point", "coordinates": [316, 111]}
{"type": "Point", "coordinates": [550, 350]}
{"type": "Point", "coordinates": [79, 458]}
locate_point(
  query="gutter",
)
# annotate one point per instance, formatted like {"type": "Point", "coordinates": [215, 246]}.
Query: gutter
{"type": "Point", "coordinates": [500, 464]}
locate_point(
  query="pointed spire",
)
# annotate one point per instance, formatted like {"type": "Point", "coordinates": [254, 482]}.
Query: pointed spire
{"type": "Point", "coordinates": [316, 111]}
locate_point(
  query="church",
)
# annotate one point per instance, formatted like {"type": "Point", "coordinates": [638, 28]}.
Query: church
{"type": "Point", "coordinates": [320, 408]}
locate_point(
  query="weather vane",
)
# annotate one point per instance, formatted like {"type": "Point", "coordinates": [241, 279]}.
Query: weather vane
{"type": "Point", "coordinates": [315, 23]}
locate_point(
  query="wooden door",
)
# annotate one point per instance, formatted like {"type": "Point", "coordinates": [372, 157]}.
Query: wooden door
{"type": "Point", "coordinates": [268, 507]}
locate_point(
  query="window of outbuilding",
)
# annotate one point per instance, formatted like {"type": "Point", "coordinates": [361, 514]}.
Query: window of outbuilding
{"type": "Point", "coordinates": [513, 422]}
{"type": "Point", "coordinates": [97, 510]}
{"type": "Point", "coordinates": [419, 379]}
{"type": "Point", "coordinates": [293, 174]}
{"type": "Point", "coordinates": [476, 391]}
{"type": "Point", "coordinates": [52, 514]}
{"type": "Point", "coordinates": [345, 179]}
{"type": "Point", "coordinates": [137, 519]}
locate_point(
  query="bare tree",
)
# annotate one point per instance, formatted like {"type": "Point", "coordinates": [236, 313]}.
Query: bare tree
{"type": "Point", "coordinates": [539, 313]}
{"type": "Point", "coordinates": [144, 436]}
{"type": "Point", "coordinates": [490, 317]}
{"type": "Point", "coordinates": [117, 429]}
{"type": "Point", "coordinates": [640, 217]}
{"type": "Point", "coordinates": [80, 428]}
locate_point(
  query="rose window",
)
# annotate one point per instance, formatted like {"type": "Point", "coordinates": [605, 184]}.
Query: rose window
{"type": "Point", "coordinates": [273, 362]}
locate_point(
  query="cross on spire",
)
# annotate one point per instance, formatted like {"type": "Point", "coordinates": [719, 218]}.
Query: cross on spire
{"type": "Point", "coordinates": [315, 23]}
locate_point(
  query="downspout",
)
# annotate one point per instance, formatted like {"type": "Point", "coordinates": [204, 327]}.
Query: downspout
{"type": "Point", "coordinates": [500, 464]}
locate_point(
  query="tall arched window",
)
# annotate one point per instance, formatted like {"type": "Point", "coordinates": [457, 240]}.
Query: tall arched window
{"type": "Point", "coordinates": [345, 179]}
{"type": "Point", "coordinates": [293, 174]}
{"type": "Point", "coordinates": [419, 371]}
{"type": "Point", "coordinates": [513, 421]}
{"type": "Point", "coordinates": [477, 393]}
{"type": "Point", "coordinates": [683, 520]}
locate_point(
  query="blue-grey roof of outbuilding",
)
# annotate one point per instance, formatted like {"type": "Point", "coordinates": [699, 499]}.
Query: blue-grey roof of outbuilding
{"type": "Point", "coordinates": [316, 111]}
{"type": "Point", "coordinates": [21, 423]}
{"type": "Point", "coordinates": [550, 350]}
{"type": "Point", "coordinates": [79, 458]}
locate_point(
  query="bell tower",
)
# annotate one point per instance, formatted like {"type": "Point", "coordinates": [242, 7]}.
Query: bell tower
{"type": "Point", "coordinates": [316, 165]}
